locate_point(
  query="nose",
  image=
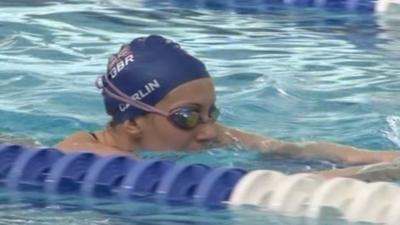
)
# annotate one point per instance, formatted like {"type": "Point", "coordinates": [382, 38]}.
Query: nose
{"type": "Point", "coordinates": [207, 132]}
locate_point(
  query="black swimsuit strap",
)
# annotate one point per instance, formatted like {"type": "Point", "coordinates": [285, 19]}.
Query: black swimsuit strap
{"type": "Point", "coordinates": [94, 136]}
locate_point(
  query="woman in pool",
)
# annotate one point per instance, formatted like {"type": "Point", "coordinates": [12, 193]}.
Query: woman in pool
{"type": "Point", "coordinates": [162, 98]}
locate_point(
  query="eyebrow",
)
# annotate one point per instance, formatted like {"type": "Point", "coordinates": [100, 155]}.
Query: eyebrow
{"type": "Point", "coordinates": [194, 105]}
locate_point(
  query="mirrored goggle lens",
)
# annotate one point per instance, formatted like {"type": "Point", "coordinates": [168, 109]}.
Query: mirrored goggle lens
{"type": "Point", "coordinates": [188, 118]}
{"type": "Point", "coordinates": [185, 118]}
{"type": "Point", "coordinates": [214, 113]}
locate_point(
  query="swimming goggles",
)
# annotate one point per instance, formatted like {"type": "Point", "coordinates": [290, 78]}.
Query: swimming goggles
{"type": "Point", "coordinates": [185, 117]}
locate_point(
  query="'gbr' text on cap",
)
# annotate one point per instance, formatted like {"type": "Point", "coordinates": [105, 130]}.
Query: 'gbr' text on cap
{"type": "Point", "coordinates": [120, 66]}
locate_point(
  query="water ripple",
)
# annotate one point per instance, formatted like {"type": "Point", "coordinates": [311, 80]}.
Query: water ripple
{"type": "Point", "coordinates": [393, 133]}
{"type": "Point", "coordinates": [308, 74]}
{"type": "Point", "coordinates": [296, 74]}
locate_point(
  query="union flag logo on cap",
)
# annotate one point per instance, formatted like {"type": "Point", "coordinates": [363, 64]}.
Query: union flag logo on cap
{"type": "Point", "coordinates": [119, 61]}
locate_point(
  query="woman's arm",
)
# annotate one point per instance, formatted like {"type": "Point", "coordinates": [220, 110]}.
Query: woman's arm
{"type": "Point", "coordinates": [311, 150]}
{"type": "Point", "coordinates": [83, 142]}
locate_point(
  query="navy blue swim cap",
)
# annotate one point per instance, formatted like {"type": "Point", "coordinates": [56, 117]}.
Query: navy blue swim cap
{"type": "Point", "coordinates": [147, 69]}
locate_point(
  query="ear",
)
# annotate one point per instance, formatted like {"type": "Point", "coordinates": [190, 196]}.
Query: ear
{"type": "Point", "coordinates": [132, 127]}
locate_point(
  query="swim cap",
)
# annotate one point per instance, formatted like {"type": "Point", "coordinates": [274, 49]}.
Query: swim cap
{"type": "Point", "coordinates": [147, 69]}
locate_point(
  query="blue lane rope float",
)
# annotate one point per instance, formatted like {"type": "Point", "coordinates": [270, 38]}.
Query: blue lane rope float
{"type": "Point", "coordinates": [259, 6]}
{"type": "Point", "coordinates": [8, 155]}
{"type": "Point", "coordinates": [67, 173]}
{"type": "Point", "coordinates": [121, 178]}
{"type": "Point", "coordinates": [180, 182]}
{"type": "Point", "coordinates": [89, 175]}
{"type": "Point", "coordinates": [351, 5]}
{"type": "Point", "coordinates": [143, 178]}
{"type": "Point", "coordinates": [217, 185]}
{"type": "Point", "coordinates": [105, 176]}
{"type": "Point", "coordinates": [30, 168]}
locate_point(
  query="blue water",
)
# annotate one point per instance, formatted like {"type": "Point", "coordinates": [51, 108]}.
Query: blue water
{"type": "Point", "coordinates": [293, 73]}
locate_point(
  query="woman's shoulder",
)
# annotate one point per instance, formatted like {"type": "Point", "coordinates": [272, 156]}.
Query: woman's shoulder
{"type": "Point", "coordinates": [75, 141]}
{"type": "Point", "coordinates": [79, 136]}
{"type": "Point", "coordinates": [85, 142]}
{"type": "Point", "coordinates": [80, 141]}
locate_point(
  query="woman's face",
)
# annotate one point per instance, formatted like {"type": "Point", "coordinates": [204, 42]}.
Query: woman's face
{"type": "Point", "coordinates": [158, 133]}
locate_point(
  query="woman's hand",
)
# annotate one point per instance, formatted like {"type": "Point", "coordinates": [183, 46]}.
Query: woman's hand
{"type": "Point", "coordinates": [346, 154]}
{"type": "Point", "coordinates": [385, 171]}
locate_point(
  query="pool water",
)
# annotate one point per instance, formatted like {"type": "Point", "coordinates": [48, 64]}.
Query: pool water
{"type": "Point", "coordinates": [293, 73]}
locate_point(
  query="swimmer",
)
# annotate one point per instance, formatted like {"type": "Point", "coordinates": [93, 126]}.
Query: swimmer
{"type": "Point", "coordinates": [160, 97]}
